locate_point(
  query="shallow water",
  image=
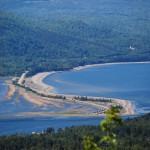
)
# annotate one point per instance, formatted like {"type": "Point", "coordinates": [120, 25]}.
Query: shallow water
{"type": "Point", "coordinates": [126, 81]}
{"type": "Point", "coordinates": [10, 124]}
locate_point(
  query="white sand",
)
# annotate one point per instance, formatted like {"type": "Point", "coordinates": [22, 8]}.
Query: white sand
{"type": "Point", "coordinates": [36, 83]}
{"type": "Point", "coordinates": [38, 80]}
{"type": "Point", "coordinates": [106, 64]}
{"type": "Point", "coordinates": [11, 89]}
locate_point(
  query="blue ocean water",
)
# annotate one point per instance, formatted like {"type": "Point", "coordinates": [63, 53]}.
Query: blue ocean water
{"type": "Point", "coordinates": [29, 125]}
{"type": "Point", "coordinates": [125, 81]}
{"type": "Point", "coordinates": [9, 124]}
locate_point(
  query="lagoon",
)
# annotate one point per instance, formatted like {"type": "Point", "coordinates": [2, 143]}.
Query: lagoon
{"type": "Point", "coordinates": [124, 81]}
{"type": "Point", "coordinates": [129, 81]}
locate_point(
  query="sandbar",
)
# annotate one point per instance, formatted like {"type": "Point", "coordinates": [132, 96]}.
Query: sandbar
{"type": "Point", "coordinates": [41, 93]}
{"type": "Point", "coordinates": [11, 89]}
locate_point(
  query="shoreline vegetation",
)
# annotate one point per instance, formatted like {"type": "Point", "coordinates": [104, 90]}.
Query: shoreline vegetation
{"type": "Point", "coordinates": [104, 64]}
{"type": "Point", "coordinates": [34, 90]}
{"type": "Point", "coordinates": [57, 139]}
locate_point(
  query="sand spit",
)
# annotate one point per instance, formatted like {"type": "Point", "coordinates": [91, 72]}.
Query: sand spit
{"type": "Point", "coordinates": [42, 94]}
{"type": "Point", "coordinates": [11, 89]}
{"type": "Point", "coordinates": [38, 80]}
{"type": "Point", "coordinates": [39, 100]}
{"type": "Point", "coordinates": [36, 83]}
{"type": "Point", "coordinates": [128, 107]}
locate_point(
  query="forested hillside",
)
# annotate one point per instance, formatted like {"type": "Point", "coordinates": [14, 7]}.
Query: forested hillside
{"type": "Point", "coordinates": [133, 135]}
{"type": "Point", "coordinates": [61, 34]}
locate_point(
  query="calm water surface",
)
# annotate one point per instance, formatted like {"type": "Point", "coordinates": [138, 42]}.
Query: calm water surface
{"type": "Point", "coordinates": [126, 81]}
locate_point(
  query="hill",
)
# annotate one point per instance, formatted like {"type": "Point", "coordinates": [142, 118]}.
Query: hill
{"type": "Point", "coordinates": [61, 34]}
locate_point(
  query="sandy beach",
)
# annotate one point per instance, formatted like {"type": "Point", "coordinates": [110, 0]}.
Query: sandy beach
{"type": "Point", "coordinates": [38, 100]}
{"type": "Point", "coordinates": [36, 84]}
{"type": "Point", "coordinates": [43, 88]}
{"type": "Point", "coordinates": [11, 89]}
{"type": "Point", "coordinates": [129, 108]}
{"type": "Point", "coordinates": [38, 80]}
{"type": "Point", "coordinates": [106, 64]}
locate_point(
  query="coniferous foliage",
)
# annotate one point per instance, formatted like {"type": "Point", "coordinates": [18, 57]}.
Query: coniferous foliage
{"type": "Point", "coordinates": [58, 35]}
{"type": "Point", "coordinates": [133, 135]}
{"type": "Point", "coordinates": [109, 141]}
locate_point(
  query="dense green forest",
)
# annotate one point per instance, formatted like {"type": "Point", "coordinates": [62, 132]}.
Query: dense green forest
{"type": "Point", "coordinates": [133, 135]}
{"type": "Point", "coordinates": [61, 34]}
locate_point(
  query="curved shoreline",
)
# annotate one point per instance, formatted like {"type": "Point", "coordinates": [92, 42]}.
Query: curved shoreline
{"type": "Point", "coordinates": [38, 80]}
{"type": "Point", "coordinates": [128, 105]}
{"type": "Point", "coordinates": [41, 89]}
{"type": "Point", "coordinates": [107, 64]}
{"type": "Point", "coordinates": [39, 77]}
